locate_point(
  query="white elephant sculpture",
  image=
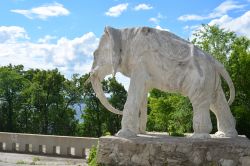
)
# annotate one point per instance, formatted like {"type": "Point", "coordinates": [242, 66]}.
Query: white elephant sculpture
{"type": "Point", "coordinates": [152, 58]}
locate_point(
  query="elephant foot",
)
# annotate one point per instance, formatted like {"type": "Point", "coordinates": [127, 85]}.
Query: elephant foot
{"type": "Point", "coordinates": [200, 135]}
{"type": "Point", "coordinates": [126, 133]}
{"type": "Point", "coordinates": [143, 132]}
{"type": "Point", "coordinates": [221, 134]}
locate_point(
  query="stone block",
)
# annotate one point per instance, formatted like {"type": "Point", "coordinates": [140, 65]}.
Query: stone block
{"type": "Point", "coordinates": [154, 150]}
{"type": "Point", "coordinates": [245, 161]}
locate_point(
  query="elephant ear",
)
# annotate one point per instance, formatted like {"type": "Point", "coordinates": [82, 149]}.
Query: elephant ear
{"type": "Point", "coordinates": [115, 47]}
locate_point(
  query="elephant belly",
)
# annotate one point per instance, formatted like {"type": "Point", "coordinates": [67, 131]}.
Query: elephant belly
{"type": "Point", "coordinates": [177, 80]}
{"type": "Point", "coordinates": [170, 83]}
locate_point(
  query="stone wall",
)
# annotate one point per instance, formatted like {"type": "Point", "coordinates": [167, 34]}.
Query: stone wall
{"type": "Point", "coordinates": [46, 144]}
{"type": "Point", "coordinates": [157, 150]}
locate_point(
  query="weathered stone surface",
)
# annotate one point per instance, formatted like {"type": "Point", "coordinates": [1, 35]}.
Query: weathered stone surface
{"type": "Point", "coordinates": [156, 150]}
{"type": "Point", "coordinates": [245, 161]}
{"type": "Point", "coordinates": [153, 58]}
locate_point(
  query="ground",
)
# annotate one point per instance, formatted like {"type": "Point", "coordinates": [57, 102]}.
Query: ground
{"type": "Point", "coordinates": [13, 159]}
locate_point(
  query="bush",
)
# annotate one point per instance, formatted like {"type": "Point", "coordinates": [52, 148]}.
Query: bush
{"type": "Point", "coordinates": [92, 156]}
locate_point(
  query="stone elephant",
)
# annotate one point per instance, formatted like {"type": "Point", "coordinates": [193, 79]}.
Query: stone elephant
{"type": "Point", "coordinates": [153, 58]}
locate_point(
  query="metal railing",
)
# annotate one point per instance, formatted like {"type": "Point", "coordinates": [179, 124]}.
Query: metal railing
{"type": "Point", "coordinates": [46, 144]}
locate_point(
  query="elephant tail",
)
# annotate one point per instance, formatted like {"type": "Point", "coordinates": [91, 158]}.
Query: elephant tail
{"type": "Point", "coordinates": [223, 72]}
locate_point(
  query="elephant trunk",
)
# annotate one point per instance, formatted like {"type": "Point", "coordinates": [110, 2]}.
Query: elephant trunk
{"type": "Point", "coordinates": [97, 86]}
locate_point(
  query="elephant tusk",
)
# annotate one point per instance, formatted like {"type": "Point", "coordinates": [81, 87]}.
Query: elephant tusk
{"type": "Point", "coordinates": [88, 80]}
{"type": "Point", "coordinates": [91, 75]}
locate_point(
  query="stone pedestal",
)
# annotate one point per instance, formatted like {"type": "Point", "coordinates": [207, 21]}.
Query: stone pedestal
{"type": "Point", "coordinates": [157, 150]}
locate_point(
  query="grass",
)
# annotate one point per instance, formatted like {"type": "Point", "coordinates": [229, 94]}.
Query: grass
{"type": "Point", "coordinates": [21, 162]}
{"type": "Point", "coordinates": [35, 159]}
{"type": "Point", "coordinates": [92, 156]}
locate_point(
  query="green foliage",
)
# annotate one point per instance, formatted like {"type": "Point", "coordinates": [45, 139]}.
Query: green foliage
{"type": "Point", "coordinates": [92, 156]}
{"type": "Point", "coordinates": [12, 84]}
{"type": "Point", "coordinates": [215, 41]}
{"type": "Point", "coordinates": [35, 101]}
{"type": "Point", "coordinates": [239, 63]}
{"type": "Point", "coordinates": [242, 116]}
{"type": "Point", "coordinates": [169, 113]}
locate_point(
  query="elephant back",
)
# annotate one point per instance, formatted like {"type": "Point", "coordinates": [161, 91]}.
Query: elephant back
{"type": "Point", "coordinates": [167, 44]}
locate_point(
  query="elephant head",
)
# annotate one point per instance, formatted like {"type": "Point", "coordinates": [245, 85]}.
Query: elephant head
{"type": "Point", "coordinates": [107, 58]}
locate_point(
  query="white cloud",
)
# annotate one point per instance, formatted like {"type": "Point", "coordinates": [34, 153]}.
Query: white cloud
{"type": "Point", "coordinates": [220, 10]}
{"type": "Point", "coordinates": [240, 25]}
{"type": "Point", "coordinates": [27, 54]}
{"type": "Point", "coordinates": [117, 10]}
{"type": "Point", "coordinates": [189, 17]}
{"type": "Point", "coordinates": [82, 67]}
{"type": "Point", "coordinates": [46, 39]}
{"type": "Point", "coordinates": [226, 6]}
{"type": "Point", "coordinates": [160, 28]}
{"type": "Point", "coordinates": [12, 33]}
{"type": "Point", "coordinates": [156, 20]}
{"type": "Point", "coordinates": [125, 81]}
{"type": "Point", "coordinates": [44, 11]}
{"type": "Point", "coordinates": [68, 55]}
{"type": "Point", "coordinates": [193, 27]}
{"type": "Point", "coordinates": [143, 6]}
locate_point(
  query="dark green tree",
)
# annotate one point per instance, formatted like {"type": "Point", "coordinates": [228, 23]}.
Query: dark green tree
{"type": "Point", "coordinates": [12, 83]}
{"type": "Point", "coordinates": [49, 97]}
{"type": "Point", "coordinates": [170, 113]}
{"type": "Point", "coordinates": [239, 63]}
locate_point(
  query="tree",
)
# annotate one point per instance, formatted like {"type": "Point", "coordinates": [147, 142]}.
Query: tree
{"type": "Point", "coordinates": [50, 101]}
{"type": "Point", "coordinates": [169, 113]}
{"type": "Point", "coordinates": [215, 41]}
{"type": "Point", "coordinates": [38, 101]}
{"type": "Point", "coordinates": [239, 63]}
{"type": "Point", "coordinates": [12, 83]}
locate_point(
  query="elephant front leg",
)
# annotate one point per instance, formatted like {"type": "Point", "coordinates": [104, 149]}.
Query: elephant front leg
{"type": "Point", "coordinates": [131, 113]}
{"type": "Point", "coordinates": [143, 115]}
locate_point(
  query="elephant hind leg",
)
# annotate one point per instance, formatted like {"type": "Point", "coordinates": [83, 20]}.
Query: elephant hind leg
{"type": "Point", "coordinates": [225, 119]}
{"type": "Point", "coordinates": [201, 117]}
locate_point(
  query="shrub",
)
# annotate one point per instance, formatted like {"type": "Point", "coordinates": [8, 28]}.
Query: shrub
{"type": "Point", "coordinates": [92, 156]}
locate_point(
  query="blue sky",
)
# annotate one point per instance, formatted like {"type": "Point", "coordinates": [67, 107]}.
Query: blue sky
{"type": "Point", "coordinates": [63, 33]}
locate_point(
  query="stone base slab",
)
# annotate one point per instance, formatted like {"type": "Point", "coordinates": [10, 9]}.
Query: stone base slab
{"type": "Point", "coordinates": [157, 150]}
